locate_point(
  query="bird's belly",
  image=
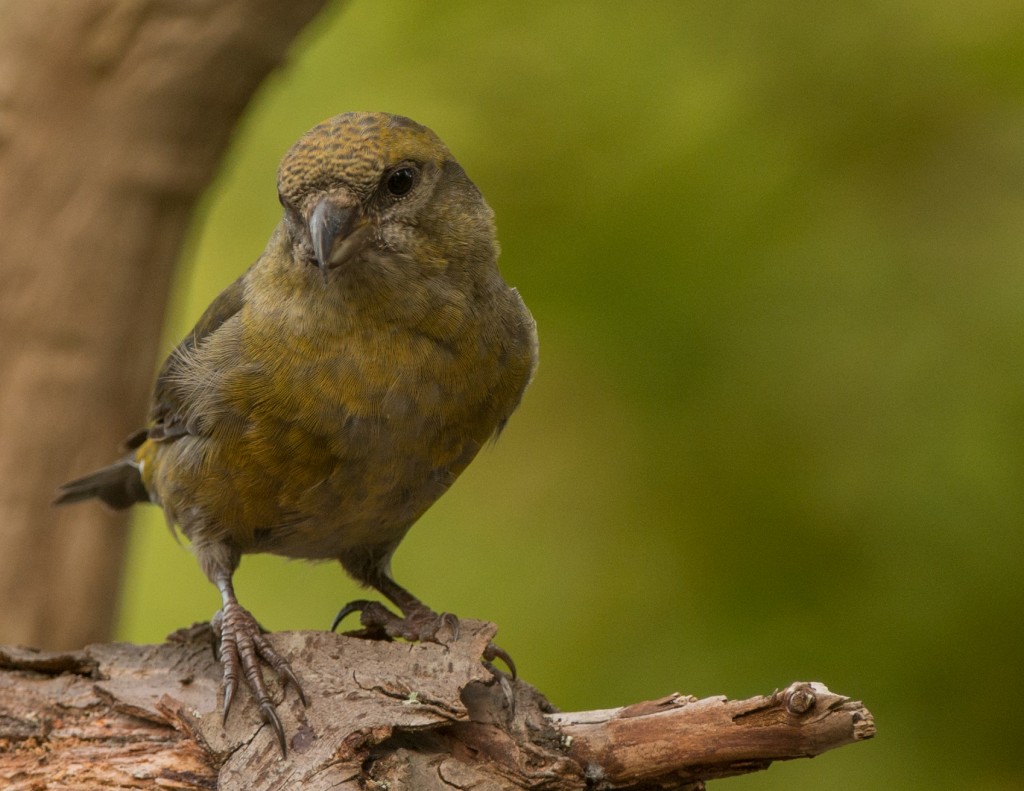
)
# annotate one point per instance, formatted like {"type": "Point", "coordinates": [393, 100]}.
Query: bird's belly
{"type": "Point", "coordinates": [335, 467]}
{"type": "Point", "coordinates": [381, 478]}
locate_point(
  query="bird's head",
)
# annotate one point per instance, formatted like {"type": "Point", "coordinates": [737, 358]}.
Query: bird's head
{"type": "Point", "coordinates": [364, 187]}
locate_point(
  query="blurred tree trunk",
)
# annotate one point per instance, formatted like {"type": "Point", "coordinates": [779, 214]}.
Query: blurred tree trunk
{"type": "Point", "coordinates": [113, 117]}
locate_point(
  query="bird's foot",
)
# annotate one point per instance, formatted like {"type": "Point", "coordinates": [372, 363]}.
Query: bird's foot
{"type": "Point", "coordinates": [242, 645]}
{"type": "Point", "coordinates": [419, 625]}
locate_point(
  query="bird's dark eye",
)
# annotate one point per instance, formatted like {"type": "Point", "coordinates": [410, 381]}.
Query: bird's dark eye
{"type": "Point", "coordinates": [400, 181]}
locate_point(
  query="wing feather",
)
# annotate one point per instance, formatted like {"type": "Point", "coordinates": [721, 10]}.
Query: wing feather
{"type": "Point", "coordinates": [169, 416]}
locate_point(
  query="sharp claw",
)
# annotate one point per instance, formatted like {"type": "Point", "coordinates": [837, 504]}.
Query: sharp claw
{"type": "Point", "coordinates": [454, 624]}
{"type": "Point", "coordinates": [269, 715]}
{"type": "Point", "coordinates": [229, 696]}
{"type": "Point", "coordinates": [493, 652]}
{"type": "Point", "coordinates": [347, 610]}
{"type": "Point", "coordinates": [510, 699]}
{"type": "Point", "coordinates": [288, 678]}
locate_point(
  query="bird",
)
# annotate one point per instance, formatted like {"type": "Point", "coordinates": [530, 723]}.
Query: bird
{"type": "Point", "coordinates": [335, 390]}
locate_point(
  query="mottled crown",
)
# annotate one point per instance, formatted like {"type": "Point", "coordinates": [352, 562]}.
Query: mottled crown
{"type": "Point", "coordinates": [353, 150]}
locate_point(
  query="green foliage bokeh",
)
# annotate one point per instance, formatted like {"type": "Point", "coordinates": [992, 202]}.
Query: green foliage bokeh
{"type": "Point", "coordinates": [777, 433]}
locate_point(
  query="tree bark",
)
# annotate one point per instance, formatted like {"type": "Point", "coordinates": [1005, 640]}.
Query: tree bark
{"type": "Point", "coordinates": [380, 715]}
{"type": "Point", "coordinates": [113, 117]}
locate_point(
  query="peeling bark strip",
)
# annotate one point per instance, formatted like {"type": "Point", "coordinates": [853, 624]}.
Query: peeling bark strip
{"type": "Point", "coordinates": [398, 715]}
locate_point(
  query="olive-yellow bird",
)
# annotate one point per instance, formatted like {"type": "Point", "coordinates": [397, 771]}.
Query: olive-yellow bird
{"type": "Point", "coordinates": [335, 390]}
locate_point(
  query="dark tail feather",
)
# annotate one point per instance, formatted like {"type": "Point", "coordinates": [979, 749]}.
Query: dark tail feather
{"type": "Point", "coordinates": [119, 486]}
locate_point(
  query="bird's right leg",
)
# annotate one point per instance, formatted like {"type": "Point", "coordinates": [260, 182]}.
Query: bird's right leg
{"type": "Point", "coordinates": [242, 646]}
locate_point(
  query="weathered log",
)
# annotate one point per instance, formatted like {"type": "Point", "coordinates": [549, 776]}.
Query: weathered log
{"type": "Point", "coordinates": [398, 715]}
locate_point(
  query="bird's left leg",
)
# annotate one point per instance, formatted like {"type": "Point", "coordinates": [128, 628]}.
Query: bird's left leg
{"type": "Point", "coordinates": [417, 623]}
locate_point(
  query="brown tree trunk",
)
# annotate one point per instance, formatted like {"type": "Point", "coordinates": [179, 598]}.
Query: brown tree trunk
{"type": "Point", "coordinates": [113, 117]}
{"type": "Point", "coordinates": [420, 717]}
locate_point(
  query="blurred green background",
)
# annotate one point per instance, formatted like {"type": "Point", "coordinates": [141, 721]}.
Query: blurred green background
{"type": "Point", "coordinates": [777, 433]}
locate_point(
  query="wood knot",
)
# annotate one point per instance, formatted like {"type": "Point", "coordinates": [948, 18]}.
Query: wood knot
{"type": "Point", "coordinates": [800, 699]}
